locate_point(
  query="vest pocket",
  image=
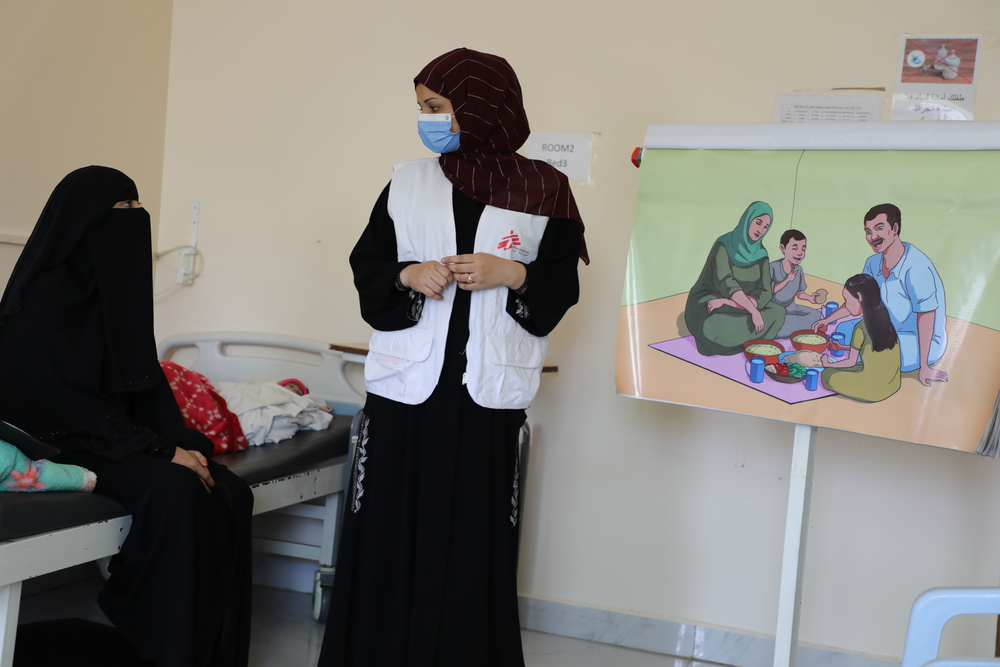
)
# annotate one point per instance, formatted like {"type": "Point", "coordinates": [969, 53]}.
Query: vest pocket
{"type": "Point", "coordinates": [518, 351]}
{"type": "Point", "coordinates": [394, 349]}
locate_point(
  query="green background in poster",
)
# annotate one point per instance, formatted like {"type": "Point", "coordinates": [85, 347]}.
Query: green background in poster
{"type": "Point", "coordinates": [950, 203]}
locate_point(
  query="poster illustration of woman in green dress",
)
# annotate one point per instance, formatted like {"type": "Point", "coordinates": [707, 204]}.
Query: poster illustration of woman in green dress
{"type": "Point", "coordinates": [731, 301]}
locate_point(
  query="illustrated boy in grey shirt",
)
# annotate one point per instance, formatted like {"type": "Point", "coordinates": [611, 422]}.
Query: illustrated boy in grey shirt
{"type": "Point", "coordinates": [788, 282]}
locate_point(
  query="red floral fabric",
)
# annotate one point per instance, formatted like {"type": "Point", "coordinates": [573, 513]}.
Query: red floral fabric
{"type": "Point", "coordinates": [204, 409]}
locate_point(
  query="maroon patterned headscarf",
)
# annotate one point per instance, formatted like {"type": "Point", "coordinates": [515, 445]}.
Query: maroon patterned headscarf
{"type": "Point", "coordinates": [486, 97]}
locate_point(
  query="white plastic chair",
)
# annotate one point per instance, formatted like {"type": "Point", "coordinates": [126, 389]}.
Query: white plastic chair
{"type": "Point", "coordinates": [931, 611]}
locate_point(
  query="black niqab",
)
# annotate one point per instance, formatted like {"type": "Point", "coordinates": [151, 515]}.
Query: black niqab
{"type": "Point", "coordinates": [77, 350]}
{"type": "Point", "coordinates": [80, 200]}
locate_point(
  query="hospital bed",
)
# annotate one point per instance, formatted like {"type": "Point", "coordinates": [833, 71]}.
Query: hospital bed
{"type": "Point", "coordinates": [45, 532]}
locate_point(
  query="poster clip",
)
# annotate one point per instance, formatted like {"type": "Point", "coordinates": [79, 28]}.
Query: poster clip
{"type": "Point", "coordinates": [637, 157]}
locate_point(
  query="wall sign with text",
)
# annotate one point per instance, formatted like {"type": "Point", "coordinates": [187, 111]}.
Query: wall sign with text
{"type": "Point", "coordinates": [569, 153]}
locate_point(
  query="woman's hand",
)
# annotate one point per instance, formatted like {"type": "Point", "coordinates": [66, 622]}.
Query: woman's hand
{"type": "Point", "coordinates": [486, 271]}
{"type": "Point", "coordinates": [195, 460]}
{"type": "Point", "coordinates": [429, 278]}
{"type": "Point", "coordinates": [820, 326]}
{"type": "Point", "coordinates": [749, 304]}
{"type": "Point", "coordinates": [715, 304]}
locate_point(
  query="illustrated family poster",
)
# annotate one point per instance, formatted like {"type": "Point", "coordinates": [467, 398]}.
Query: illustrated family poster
{"type": "Point", "coordinates": [837, 276]}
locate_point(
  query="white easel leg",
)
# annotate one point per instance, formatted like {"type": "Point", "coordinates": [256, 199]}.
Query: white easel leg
{"type": "Point", "coordinates": [793, 559]}
{"type": "Point", "coordinates": [10, 605]}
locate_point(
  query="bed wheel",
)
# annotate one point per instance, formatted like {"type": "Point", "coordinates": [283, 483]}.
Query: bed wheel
{"type": "Point", "coordinates": [321, 593]}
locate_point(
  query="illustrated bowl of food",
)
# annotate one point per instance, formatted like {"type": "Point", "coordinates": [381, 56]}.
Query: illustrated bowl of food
{"type": "Point", "coordinates": [780, 372]}
{"type": "Point", "coordinates": [763, 347]}
{"type": "Point", "coordinates": [792, 366]}
{"type": "Point", "coordinates": [807, 339]}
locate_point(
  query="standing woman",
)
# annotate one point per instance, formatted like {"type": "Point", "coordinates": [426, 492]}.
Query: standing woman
{"type": "Point", "coordinates": [467, 263]}
{"type": "Point", "coordinates": [79, 371]}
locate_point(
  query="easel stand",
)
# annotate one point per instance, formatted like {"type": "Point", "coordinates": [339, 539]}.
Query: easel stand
{"type": "Point", "coordinates": [786, 638]}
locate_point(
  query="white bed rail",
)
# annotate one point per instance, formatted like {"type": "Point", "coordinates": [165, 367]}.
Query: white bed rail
{"type": "Point", "coordinates": [240, 356]}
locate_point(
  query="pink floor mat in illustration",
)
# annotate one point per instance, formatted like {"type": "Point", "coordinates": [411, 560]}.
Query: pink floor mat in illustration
{"type": "Point", "coordinates": [734, 368]}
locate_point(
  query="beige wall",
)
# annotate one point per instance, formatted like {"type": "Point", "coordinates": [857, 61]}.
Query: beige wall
{"type": "Point", "coordinates": [81, 82]}
{"type": "Point", "coordinates": [284, 119]}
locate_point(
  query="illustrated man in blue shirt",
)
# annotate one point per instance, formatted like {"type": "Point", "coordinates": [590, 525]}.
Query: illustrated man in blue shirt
{"type": "Point", "coordinates": [911, 290]}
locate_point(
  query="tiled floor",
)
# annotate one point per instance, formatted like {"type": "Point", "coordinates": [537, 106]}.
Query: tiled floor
{"type": "Point", "coordinates": [285, 634]}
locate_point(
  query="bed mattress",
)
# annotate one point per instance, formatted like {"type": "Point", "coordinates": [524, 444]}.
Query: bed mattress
{"type": "Point", "coordinates": [24, 514]}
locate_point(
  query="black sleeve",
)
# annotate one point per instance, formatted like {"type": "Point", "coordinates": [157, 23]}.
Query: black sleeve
{"type": "Point", "coordinates": [385, 304]}
{"type": "Point", "coordinates": [552, 284]}
{"type": "Point", "coordinates": [156, 409]}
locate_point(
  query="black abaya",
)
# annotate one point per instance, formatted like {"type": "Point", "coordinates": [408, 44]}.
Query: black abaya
{"type": "Point", "coordinates": [180, 587]}
{"type": "Point", "coordinates": [426, 573]}
{"type": "Point", "coordinates": [78, 370]}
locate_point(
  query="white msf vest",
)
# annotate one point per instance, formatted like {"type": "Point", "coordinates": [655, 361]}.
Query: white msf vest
{"type": "Point", "coordinates": [503, 361]}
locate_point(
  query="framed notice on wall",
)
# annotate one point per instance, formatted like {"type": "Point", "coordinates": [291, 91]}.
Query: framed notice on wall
{"type": "Point", "coordinates": [834, 275]}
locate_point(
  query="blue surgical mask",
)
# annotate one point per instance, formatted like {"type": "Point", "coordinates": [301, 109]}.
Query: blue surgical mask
{"type": "Point", "coordinates": [435, 131]}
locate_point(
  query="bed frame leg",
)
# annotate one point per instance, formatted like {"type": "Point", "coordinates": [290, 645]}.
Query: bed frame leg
{"type": "Point", "coordinates": [327, 556]}
{"type": "Point", "coordinates": [331, 529]}
{"type": "Point", "coordinates": [10, 605]}
{"type": "Point", "coordinates": [333, 523]}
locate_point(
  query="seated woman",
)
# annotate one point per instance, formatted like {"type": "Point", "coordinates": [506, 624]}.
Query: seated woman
{"type": "Point", "coordinates": [80, 373]}
{"type": "Point", "coordinates": [871, 371]}
{"type": "Point", "coordinates": [731, 302]}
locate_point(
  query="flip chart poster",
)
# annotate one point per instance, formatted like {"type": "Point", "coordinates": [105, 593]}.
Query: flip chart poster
{"type": "Point", "coordinates": [709, 277]}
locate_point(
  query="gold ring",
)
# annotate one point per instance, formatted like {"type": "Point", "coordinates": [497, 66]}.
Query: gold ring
{"type": "Point", "coordinates": [469, 280]}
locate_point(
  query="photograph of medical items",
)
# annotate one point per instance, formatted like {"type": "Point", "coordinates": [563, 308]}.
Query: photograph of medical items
{"type": "Point", "coordinates": [940, 60]}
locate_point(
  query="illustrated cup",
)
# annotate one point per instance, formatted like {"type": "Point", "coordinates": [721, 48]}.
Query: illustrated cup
{"type": "Point", "coordinates": [812, 379]}
{"type": "Point", "coordinates": [837, 338]}
{"type": "Point", "coordinates": [755, 369]}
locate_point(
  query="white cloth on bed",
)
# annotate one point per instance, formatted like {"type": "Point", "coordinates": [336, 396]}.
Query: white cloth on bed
{"type": "Point", "coordinates": [270, 413]}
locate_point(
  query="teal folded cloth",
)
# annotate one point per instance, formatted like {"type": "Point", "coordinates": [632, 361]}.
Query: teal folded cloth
{"type": "Point", "coordinates": [20, 473]}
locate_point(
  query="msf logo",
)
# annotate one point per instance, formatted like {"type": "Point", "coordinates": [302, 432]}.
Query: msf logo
{"type": "Point", "coordinates": [508, 242]}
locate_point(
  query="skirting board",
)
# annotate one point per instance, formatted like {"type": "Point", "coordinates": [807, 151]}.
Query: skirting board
{"type": "Point", "coordinates": [694, 642]}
